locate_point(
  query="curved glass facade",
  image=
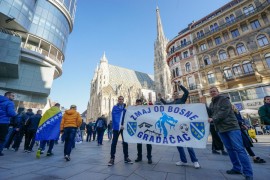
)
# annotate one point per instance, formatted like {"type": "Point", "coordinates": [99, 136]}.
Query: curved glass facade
{"type": "Point", "coordinates": [21, 10]}
{"type": "Point", "coordinates": [42, 19]}
{"type": "Point", "coordinates": [50, 24]}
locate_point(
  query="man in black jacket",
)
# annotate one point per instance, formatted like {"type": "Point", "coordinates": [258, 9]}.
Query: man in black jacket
{"type": "Point", "coordinates": [100, 126]}
{"type": "Point", "coordinates": [229, 131]}
{"type": "Point", "coordinates": [32, 126]}
{"type": "Point", "coordinates": [178, 100]}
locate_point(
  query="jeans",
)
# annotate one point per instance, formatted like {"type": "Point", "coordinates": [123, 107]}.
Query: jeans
{"type": "Point", "coordinates": [70, 133]}
{"type": "Point", "coordinates": [267, 127]}
{"type": "Point", "coordinates": [82, 133]}
{"type": "Point", "coordinates": [234, 144]}
{"type": "Point", "coordinates": [183, 154]}
{"type": "Point", "coordinates": [3, 133]}
{"type": "Point", "coordinates": [9, 137]}
{"type": "Point", "coordinates": [100, 133]}
{"type": "Point", "coordinates": [94, 135]}
{"type": "Point", "coordinates": [29, 140]}
{"type": "Point", "coordinates": [114, 143]}
{"type": "Point", "coordinates": [149, 150]}
{"type": "Point", "coordinates": [43, 145]}
{"type": "Point", "coordinates": [109, 134]}
{"type": "Point", "coordinates": [89, 136]}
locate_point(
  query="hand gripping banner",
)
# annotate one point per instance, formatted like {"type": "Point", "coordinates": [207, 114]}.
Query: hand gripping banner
{"type": "Point", "coordinates": [183, 125]}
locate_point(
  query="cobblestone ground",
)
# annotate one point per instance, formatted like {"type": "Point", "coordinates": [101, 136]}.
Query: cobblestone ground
{"type": "Point", "coordinates": [89, 161]}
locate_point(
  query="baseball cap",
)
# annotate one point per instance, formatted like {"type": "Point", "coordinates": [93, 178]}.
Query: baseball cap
{"type": "Point", "coordinates": [73, 106]}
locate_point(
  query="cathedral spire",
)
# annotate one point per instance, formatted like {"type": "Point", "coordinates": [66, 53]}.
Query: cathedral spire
{"type": "Point", "coordinates": [103, 59]}
{"type": "Point", "coordinates": [160, 33]}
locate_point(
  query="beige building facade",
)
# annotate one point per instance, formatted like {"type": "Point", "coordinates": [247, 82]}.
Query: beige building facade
{"type": "Point", "coordinates": [232, 49]}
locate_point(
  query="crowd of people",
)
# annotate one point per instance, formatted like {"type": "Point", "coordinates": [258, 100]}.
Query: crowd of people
{"type": "Point", "coordinates": [227, 127]}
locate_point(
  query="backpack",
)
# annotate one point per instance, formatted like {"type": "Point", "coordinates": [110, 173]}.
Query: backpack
{"type": "Point", "coordinates": [100, 123]}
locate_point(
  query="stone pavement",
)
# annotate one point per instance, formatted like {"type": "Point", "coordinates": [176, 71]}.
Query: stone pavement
{"type": "Point", "coordinates": [89, 161]}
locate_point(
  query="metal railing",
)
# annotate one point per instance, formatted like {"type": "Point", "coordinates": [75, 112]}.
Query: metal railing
{"type": "Point", "coordinates": [179, 47]}
{"type": "Point", "coordinates": [41, 51]}
{"type": "Point", "coordinates": [236, 20]}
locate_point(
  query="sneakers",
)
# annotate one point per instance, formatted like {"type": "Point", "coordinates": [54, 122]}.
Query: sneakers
{"type": "Point", "coordinates": [259, 160]}
{"type": "Point", "coordinates": [180, 163]}
{"type": "Point", "coordinates": [224, 153]}
{"type": "Point", "coordinates": [215, 152]}
{"type": "Point", "coordinates": [1, 154]}
{"type": "Point", "coordinates": [127, 160]}
{"type": "Point", "coordinates": [249, 178]}
{"type": "Point", "coordinates": [67, 157]}
{"type": "Point", "coordinates": [49, 154]}
{"type": "Point", "coordinates": [111, 162]}
{"type": "Point", "coordinates": [233, 172]}
{"type": "Point", "coordinates": [38, 153]}
{"type": "Point", "coordinates": [150, 161]}
{"type": "Point", "coordinates": [197, 165]}
{"type": "Point", "coordinates": [138, 159]}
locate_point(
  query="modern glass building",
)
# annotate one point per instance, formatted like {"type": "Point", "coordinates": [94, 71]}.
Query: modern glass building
{"type": "Point", "coordinates": [33, 39]}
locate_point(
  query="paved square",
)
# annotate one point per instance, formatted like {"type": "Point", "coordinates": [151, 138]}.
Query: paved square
{"type": "Point", "coordinates": [89, 161]}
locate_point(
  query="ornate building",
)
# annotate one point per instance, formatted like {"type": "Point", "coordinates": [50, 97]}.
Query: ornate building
{"type": "Point", "coordinates": [232, 50]}
{"type": "Point", "coordinates": [109, 82]}
{"type": "Point", "coordinates": [161, 68]}
{"type": "Point", "coordinates": [183, 64]}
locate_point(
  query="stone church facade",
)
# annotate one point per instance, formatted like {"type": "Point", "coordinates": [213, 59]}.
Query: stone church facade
{"type": "Point", "coordinates": [109, 82]}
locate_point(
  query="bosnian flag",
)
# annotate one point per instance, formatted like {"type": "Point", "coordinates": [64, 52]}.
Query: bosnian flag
{"type": "Point", "coordinates": [49, 125]}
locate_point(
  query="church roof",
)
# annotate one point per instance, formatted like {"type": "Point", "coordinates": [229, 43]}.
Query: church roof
{"type": "Point", "coordinates": [119, 75]}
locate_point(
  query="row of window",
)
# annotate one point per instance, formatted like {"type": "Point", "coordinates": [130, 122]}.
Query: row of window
{"type": "Point", "coordinates": [231, 72]}
{"type": "Point", "coordinates": [229, 19]}
{"type": "Point", "coordinates": [176, 71]}
{"type": "Point", "coordinates": [236, 70]}
{"type": "Point", "coordinates": [240, 49]}
{"type": "Point", "coordinates": [234, 33]}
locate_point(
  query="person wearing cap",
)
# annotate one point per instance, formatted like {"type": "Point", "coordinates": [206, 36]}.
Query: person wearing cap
{"type": "Point", "coordinates": [70, 122]}
{"type": "Point", "coordinates": [139, 145]}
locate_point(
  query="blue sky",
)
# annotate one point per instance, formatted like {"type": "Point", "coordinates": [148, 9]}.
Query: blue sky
{"type": "Point", "coordinates": [126, 31]}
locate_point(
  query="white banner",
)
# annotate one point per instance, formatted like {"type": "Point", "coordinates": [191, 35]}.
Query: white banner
{"type": "Point", "coordinates": [183, 125]}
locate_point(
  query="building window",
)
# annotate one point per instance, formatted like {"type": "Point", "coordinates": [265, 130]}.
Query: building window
{"type": "Point", "coordinates": [174, 59]}
{"type": "Point", "coordinates": [191, 83]}
{"type": "Point", "coordinates": [265, 18]}
{"type": "Point", "coordinates": [255, 24]}
{"type": "Point", "coordinates": [240, 48]}
{"type": "Point", "coordinates": [262, 40]}
{"type": "Point", "coordinates": [228, 73]}
{"type": "Point", "coordinates": [222, 55]}
{"type": "Point", "coordinates": [235, 33]}
{"type": "Point", "coordinates": [251, 8]}
{"type": "Point", "coordinates": [177, 72]}
{"type": "Point", "coordinates": [188, 68]}
{"type": "Point", "coordinates": [237, 70]}
{"type": "Point", "coordinates": [215, 26]}
{"type": "Point", "coordinates": [194, 99]}
{"type": "Point", "coordinates": [234, 96]}
{"type": "Point", "coordinates": [203, 47]}
{"type": "Point", "coordinates": [244, 27]}
{"type": "Point", "coordinates": [185, 54]}
{"type": "Point", "coordinates": [232, 18]}
{"type": "Point", "coordinates": [206, 60]}
{"type": "Point", "coordinates": [211, 77]}
{"type": "Point", "coordinates": [200, 34]}
{"type": "Point", "coordinates": [218, 40]}
{"type": "Point", "coordinates": [248, 10]}
{"type": "Point", "coordinates": [226, 36]}
{"type": "Point", "coordinates": [247, 67]}
{"type": "Point", "coordinates": [210, 43]}
{"type": "Point", "coordinates": [212, 28]}
{"type": "Point", "coordinates": [267, 59]}
{"type": "Point", "coordinates": [173, 73]}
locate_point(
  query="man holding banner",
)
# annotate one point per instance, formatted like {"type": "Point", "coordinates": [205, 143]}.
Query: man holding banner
{"type": "Point", "coordinates": [49, 129]}
{"type": "Point", "coordinates": [118, 114]}
{"type": "Point", "coordinates": [181, 151]}
{"type": "Point", "coordinates": [229, 131]}
{"type": "Point", "coordinates": [178, 124]}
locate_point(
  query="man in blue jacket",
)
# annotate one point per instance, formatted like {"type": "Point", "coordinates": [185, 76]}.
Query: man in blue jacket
{"type": "Point", "coordinates": [118, 114]}
{"type": "Point", "coordinates": [7, 110]}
